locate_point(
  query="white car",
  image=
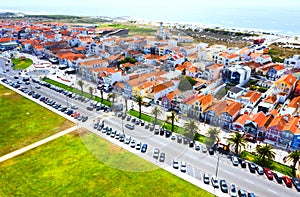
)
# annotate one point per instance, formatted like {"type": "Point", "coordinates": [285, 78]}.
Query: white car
{"type": "Point", "coordinates": [175, 164]}
{"type": "Point", "coordinates": [234, 160]}
{"type": "Point", "coordinates": [214, 182]}
{"type": "Point", "coordinates": [138, 146]}
{"type": "Point", "coordinates": [183, 166]}
{"type": "Point", "coordinates": [232, 190]}
{"type": "Point", "coordinates": [204, 149]}
{"type": "Point", "coordinates": [132, 143]}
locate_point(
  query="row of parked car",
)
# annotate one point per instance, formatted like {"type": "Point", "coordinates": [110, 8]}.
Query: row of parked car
{"type": "Point", "coordinates": [48, 101]}
{"type": "Point", "coordinates": [99, 125]}
{"type": "Point", "coordinates": [254, 168]}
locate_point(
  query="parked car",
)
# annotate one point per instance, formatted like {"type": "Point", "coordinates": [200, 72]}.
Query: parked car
{"type": "Point", "coordinates": [122, 137]}
{"type": "Point", "coordinates": [179, 139]}
{"type": "Point", "coordinates": [204, 148]}
{"type": "Point", "coordinates": [138, 146]}
{"type": "Point", "coordinates": [259, 170]}
{"type": "Point", "coordinates": [191, 145]}
{"type": "Point", "coordinates": [168, 133]}
{"type": "Point", "coordinates": [268, 173]}
{"type": "Point", "coordinates": [183, 166]}
{"type": "Point", "coordinates": [128, 118]}
{"type": "Point", "coordinates": [156, 153]}
{"type": "Point", "coordinates": [185, 140]}
{"type": "Point", "coordinates": [175, 163]}
{"type": "Point", "coordinates": [252, 167]}
{"type": "Point", "coordinates": [173, 137]}
{"type": "Point", "coordinates": [242, 193]}
{"type": "Point", "coordinates": [117, 137]}
{"type": "Point", "coordinates": [214, 182]}
{"type": "Point", "coordinates": [296, 183]}
{"type": "Point", "coordinates": [162, 157]}
{"type": "Point", "coordinates": [147, 126]}
{"type": "Point", "coordinates": [127, 140]}
{"type": "Point", "coordinates": [278, 177]}
{"type": "Point", "coordinates": [287, 181]}
{"type": "Point", "coordinates": [242, 162]}
{"type": "Point", "coordinates": [113, 134]}
{"type": "Point", "coordinates": [132, 143]}
{"type": "Point", "coordinates": [144, 148]}
{"type": "Point", "coordinates": [156, 131]}
{"type": "Point", "coordinates": [251, 194]}
{"type": "Point", "coordinates": [224, 187]}
{"type": "Point", "coordinates": [205, 178]}
{"type": "Point", "coordinates": [197, 146]}
{"type": "Point", "coordinates": [129, 126]}
{"type": "Point", "coordinates": [233, 192]}
{"type": "Point", "coordinates": [234, 160]}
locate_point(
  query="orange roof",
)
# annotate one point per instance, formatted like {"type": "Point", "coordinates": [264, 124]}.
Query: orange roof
{"type": "Point", "coordinates": [279, 67]}
{"type": "Point", "coordinates": [79, 48]}
{"type": "Point", "coordinates": [273, 112]}
{"type": "Point", "coordinates": [180, 67]}
{"type": "Point", "coordinates": [147, 84]}
{"type": "Point", "coordinates": [219, 107]}
{"type": "Point", "coordinates": [171, 95]}
{"type": "Point", "coordinates": [291, 125]}
{"type": "Point", "coordinates": [271, 99]}
{"type": "Point", "coordinates": [91, 62]}
{"type": "Point", "coordinates": [163, 86]}
{"type": "Point", "coordinates": [242, 119]}
{"type": "Point", "coordinates": [259, 118]}
{"type": "Point", "coordinates": [214, 66]}
{"type": "Point", "coordinates": [278, 121]}
{"type": "Point", "coordinates": [233, 108]}
{"type": "Point", "coordinates": [7, 39]}
{"type": "Point", "coordinates": [206, 101]}
{"type": "Point", "coordinates": [151, 56]}
{"type": "Point", "coordinates": [192, 69]}
{"type": "Point", "coordinates": [253, 96]}
{"type": "Point", "coordinates": [192, 101]}
{"type": "Point", "coordinates": [294, 103]}
{"type": "Point", "coordinates": [229, 56]}
{"type": "Point", "coordinates": [288, 79]}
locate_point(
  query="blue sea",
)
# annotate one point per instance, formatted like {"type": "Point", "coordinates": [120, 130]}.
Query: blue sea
{"type": "Point", "coordinates": [280, 20]}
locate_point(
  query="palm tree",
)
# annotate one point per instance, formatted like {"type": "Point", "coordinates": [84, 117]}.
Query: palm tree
{"type": "Point", "coordinates": [237, 141]}
{"type": "Point", "coordinates": [91, 89]}
{"type": "Point", "coordinates": [213, 135]}
{"type": "Point", "coordinates": [294, 156]}
{"type": "Point", "coordinates": [113, 96]}
{"type": "Point", "coordinates": [80, 83]}
{"type": "Point", "coordinates": [156, 112]}
{"type": "Point", "coordinates": [265, 152]}
{"type": "Point", "coordinates": [191, 127]}
{"type": "Point", "coordinates": [173, 117]}
{"type": "Point", "coordinates": [109, 96]}
{"type": "Point", "coordinates": [139, 101]}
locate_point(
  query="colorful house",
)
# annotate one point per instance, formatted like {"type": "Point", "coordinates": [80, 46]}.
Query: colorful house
{"type": "Point", "coordinates": [283, 87]}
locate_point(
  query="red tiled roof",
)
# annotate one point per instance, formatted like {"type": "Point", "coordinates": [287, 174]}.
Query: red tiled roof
{"type": "Point", "coordinates": [278, 121]}
{"type": "Point", "coordinates": [253, 96]}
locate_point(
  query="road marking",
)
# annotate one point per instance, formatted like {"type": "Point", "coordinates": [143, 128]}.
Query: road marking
{"type": "Point", "coordinates": [228, 172]}
{"type": "Point", "coordinates": [272, 191]}
{"type": "Point", "coordinates": [249, 181]}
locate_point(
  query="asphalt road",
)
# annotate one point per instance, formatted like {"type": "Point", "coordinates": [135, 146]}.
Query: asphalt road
{"type": "Point", "coordinates": [198, 162]}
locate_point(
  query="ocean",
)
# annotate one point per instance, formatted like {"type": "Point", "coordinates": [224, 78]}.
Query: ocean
{"type": "Point", "coordinates": [278, 20]}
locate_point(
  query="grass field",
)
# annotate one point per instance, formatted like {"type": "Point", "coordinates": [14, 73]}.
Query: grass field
{"type": "Point", "coordinates": [66, 167]}
{"type": "Point", "coordinates": [134, 29]}
{"type": "Point", "coordinates": [23, 122]}
{"type": "Point", "coordinates": [77, 91]}
{"type": "Point", "coordinates": [273, 165]}
{"type": "Point", "coordinates": [21, 64]}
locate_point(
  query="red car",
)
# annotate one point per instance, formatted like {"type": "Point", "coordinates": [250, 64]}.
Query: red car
{"type": "Point", "coordinates": [269, 173]}
{"type": "Point", "coordinates": [287, 181]}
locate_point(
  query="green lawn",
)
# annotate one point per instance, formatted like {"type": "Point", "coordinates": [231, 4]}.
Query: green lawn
{"type": "Point", "coordinates": [167, 126]}
{"type": "Point", "coordinates": [273, 164]}
{"type": "Point", "coordinates": [134, 29]}
{"type": "Point", "coordinates": [86, 166]}
{"type": "Point", "coordinates": [77, 91]}
{"type": "Point", "coordinates": [21, 64]}
{"type": "Point", "coordinates": [23, 122]}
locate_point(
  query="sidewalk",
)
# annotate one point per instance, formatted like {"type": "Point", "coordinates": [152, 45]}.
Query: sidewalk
{"type": "Point", "coordinates": [36, 144]}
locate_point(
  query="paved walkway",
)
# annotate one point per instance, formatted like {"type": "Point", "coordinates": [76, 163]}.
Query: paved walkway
{"type": "Point", "coordinates": [36, 144]}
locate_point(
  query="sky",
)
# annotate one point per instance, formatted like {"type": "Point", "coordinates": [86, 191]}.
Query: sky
{"type": "Point", "coordinates": [138, 8]}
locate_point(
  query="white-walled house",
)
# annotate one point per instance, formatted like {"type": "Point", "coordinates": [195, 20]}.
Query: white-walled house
{"type": "Point", "coordinates": [293, 61]}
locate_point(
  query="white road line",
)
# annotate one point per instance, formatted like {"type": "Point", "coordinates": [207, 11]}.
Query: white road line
{"type": "Point", "coordinates": [227, 172]}
{"type": "Point", "coordinates": [249, 181]}
{"type": "Point", "coordinates": [272, 191]}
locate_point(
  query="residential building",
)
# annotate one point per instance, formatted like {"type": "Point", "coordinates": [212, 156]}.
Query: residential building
{"type": "Point", "coordinates": [293, 61]}
{"type": "Point", "coordinates": [283, 87]}
{"type": "Point", "coordinates": [236, 74]}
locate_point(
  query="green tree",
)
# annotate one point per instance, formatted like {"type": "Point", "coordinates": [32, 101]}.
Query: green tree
{"type": "Point", "coordinates": [91, 89]}
{"type": "Point", "coordinates": [173, 117]}
{"type": "Point", "coordinates": [80, 83]}
{"type": "Point", "coordinates": [212, 136]}
{"type": "Point", "coordinates": [139, 101]}
{"type": "Point", "coordinates": [191, 127]}
{"type": "Point", "coordinates": [186, 83]}
{"type": "Point", "coordinates": [156, 112]}
{"type": "Point", "coordinates": [265, 152]}
{"type": "Point", "coordinates": [294, 156]}
{"type": "Point", "coordinates": [236, 141]}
